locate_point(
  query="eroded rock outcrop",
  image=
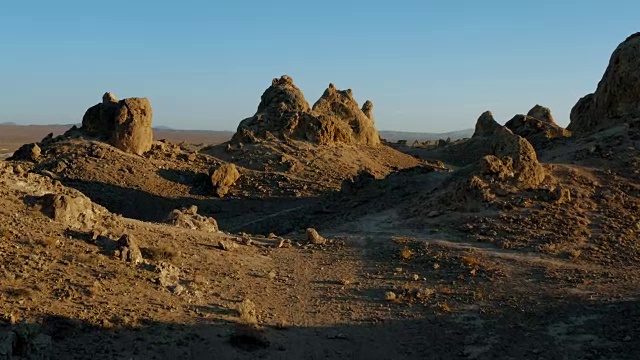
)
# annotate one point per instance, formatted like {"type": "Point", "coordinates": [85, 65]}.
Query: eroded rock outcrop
{"type": "Point", "coordinates": [284, 112]}
{"type": "Point", "coordinates": [28, 152]}
{"type": "Point", "coordinates": [132, 132]}
{"type": "Point", "coordinates": [486, 125]}
{"type": "Point", "coordinates": [499, 162]}
{"type": "Point", "coordinates": [541, 113]}
{"type": "Point", "coordinates": [537, 126]}
{"type": "Point", "coordinates": [73, 211]}
{"type": "Point", "coordinates": [367, 109]}
{"type": "Point", "coordinates": [617, 97]}
{"type": "Point", "coordinates": [125, 124]}
{"type": "Point", "coordinates": [189, 218]}
{"type": "Point", "coordinates": [342, 120]}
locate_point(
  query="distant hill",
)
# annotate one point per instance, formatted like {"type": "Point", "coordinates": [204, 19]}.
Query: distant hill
{"type": "Point", "coordinates": [12, 135]}
{"type": "Point", "coordinates": [412, 136]}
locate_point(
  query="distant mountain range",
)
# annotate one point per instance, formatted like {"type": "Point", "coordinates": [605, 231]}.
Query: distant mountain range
{"type": "Point", "coordinates": [413, 136]}
{"type": "Point", "coordinates": [19, 134]}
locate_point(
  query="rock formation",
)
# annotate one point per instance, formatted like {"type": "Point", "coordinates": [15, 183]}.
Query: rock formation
{"type": "Point", "coordinates": [189, 218]}
{"type": "Point", "coordinates": [486, 125]}
{"type": "Point", "coordinates": [132, 132]}
{"type": "Point", "coordinates": [74, 212]}
{"type": "Point", "coordinates": [617, 97]}
{"type": "Point", "coordinates": [367, 109]}
{"type": "Point", "coordinates": [503, 155]}
{"type": "Point", "coordinates": [342, 120]}
{"type": "Point", "coordinates": [541, 113]}
{"type": "Point", "coordinates": [537, 126]}
{"type": "Point", "coordinates": [285, 113]}
{"type": "Point", "coordinates": [125, 124]}
{"type": "Point", "coordinates": [519, 157]}
{"type": "Point", "coordinates": [28, 152]}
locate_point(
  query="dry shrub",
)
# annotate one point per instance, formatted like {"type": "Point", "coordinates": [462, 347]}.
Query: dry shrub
{"type": "Point", "coordinates": [446, 290]}
{"type": "Point", "coordinates": [164, 252]}
{"type": "Point", "coordinates": [248, 335]}
{"type": "Point", "coordinates": [471, 261]}
{"type": "Point", "coordinates": [47, 241]}
{"type": "Point", "coordinates": [247, 312]}
{"type": "Point", "coordinates": [18, 293]}
{"type": "Point", "coordinates": [573, 254]}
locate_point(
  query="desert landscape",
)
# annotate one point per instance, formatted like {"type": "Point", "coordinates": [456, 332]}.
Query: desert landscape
{"type": "Point", "coordinates": [309, 234]}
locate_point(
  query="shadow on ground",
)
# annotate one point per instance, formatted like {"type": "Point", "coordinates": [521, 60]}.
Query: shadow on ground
{"type": "Point", "coordinates": [567, 331]}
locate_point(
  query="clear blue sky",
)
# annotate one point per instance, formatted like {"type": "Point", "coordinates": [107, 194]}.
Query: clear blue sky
{"type": "Point", "coordinates": [427, 66]}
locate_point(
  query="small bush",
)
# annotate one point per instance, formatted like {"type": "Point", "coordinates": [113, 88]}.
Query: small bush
{"type": "Point", "coordinates": [160, 253]}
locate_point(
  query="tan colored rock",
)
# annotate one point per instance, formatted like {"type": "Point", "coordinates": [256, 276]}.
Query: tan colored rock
{"type": "Point", "coordinates": [499, 168]}
{"type": "Point", "coordinates": [126, 124]}
{"type": "Point", "coordinates": [315, 238]}
{"type": "Point", "coordinates": [75, 212]}
{"type": "Point", "coordinates": [342, 119]}
{"type": "Point", "coordinates": [617, 97]}
{"type": "Point", "coordinates": [284, 113]}
{"type": "Point", "coordinates": [132, 132]}
{"type": "Point", "coordinates": [129, 250]}
{"type": "Point", "coordinates": [541, 113]}
{"type": "Point", "coordinates": [561, 194]}
{"type": "Point", "coordinates": [189, 218]}
{"type": "Point", "coordinates": [367, 109]}
{"type": "Point", "coordinates": [223, 178]}
{"type": "Point", "coordinates": [486, 125]}
{"type": "Point", "coordinates": [536, 131]}
{"type": "Point", "coordinates": [99, 120]}
{"type": "Point", "coordinates": [528, 173]}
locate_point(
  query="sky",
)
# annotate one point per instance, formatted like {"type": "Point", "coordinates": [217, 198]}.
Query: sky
{"type": "Point", "coordinates": [428, 66]}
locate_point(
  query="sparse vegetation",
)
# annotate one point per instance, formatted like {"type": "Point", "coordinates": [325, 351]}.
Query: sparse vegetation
{"type": "Point", "coordinates": [163, 252]}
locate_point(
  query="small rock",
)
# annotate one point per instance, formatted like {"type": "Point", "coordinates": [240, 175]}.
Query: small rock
{"type": "Point", "coordinates": [227, 245]}
{"type": "Point", "coordinates": [129, 250]}
{"type": "Point", "coordinates": [177, 289]}
{"type": "Point", "coordinates": [390, 296]}
{"type": "Point", "coordinates": [314, 237]}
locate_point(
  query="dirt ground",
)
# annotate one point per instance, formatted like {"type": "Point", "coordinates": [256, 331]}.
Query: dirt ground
{"type": "Point", "coordinates": [521, 278]}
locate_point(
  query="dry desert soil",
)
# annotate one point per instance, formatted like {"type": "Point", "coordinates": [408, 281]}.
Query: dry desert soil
{"type": "Point", "coordinates": [305, 235]}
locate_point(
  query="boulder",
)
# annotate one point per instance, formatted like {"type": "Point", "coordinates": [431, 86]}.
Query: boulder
{"type": "Point", "coordinates": [98, 120]}
{"type": "Point", "coordinates": [125, 124]}
{"type": "Point", "coordinates": [617, 97]}
{"type": "Point", "coordinates": [75, 212]}
{"type": "Point", "coordinates": [315, 238]}
{"type": "Point", "coordinates": [132, 132]}
{"type": "Point", "coordinates": [223, 178]}
{"type": "Point", "coordinates": [189, 218]}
